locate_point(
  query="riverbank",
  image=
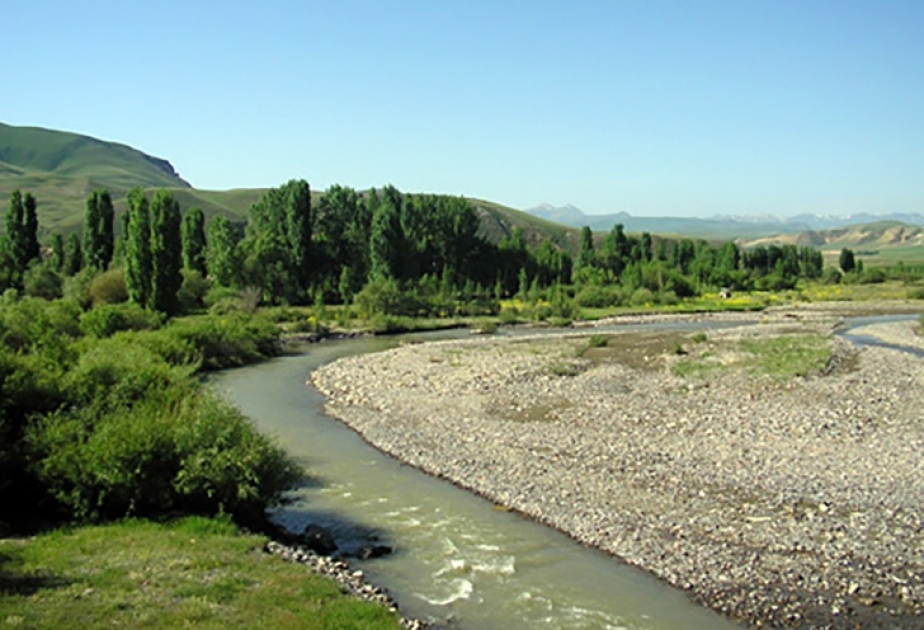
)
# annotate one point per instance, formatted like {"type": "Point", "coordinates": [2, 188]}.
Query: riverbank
{"type": "Point", "coordinates": [779, 501]}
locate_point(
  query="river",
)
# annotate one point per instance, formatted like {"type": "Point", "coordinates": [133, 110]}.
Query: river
{"type": "Point", "coordinates": [458, 562]}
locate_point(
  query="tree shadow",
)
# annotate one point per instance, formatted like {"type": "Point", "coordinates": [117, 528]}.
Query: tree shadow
{"type": "Point", "coordinates": [13, 582]}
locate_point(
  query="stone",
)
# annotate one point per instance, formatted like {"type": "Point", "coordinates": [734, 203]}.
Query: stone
{"type": "Point", "coordinates": [318, 539]}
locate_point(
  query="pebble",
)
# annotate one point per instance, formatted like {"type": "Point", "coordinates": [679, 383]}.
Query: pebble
{"type": "Point", "coordinates": [779, 503]}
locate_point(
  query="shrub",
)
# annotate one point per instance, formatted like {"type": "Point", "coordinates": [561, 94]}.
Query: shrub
{"type": "Point", "coordinates": [221, 294]}
{"type": "Point", "coordinates": [831, 275]}
{"type": "Point", "coordinates": [108, 288]}
{"type": "Point", "coordinates": [191, 295]}
{"type": "Point", "coordinates": [641, 297]}
{"type": "Point", "coordinates": [596, 296]}
{"type": "Point", "coordinates": [233, 340]}
{"type": "Point", "coordinates": [44, 282]}
{"type": "Point", "coordinates": [384, 296]}
{"type": "Point", "coordinates": [105, 321]}
{"type": "Point", "coordinates": [77, 287]}
{"type": "Point", "coordinates": [191, 453]}
{"type": "Point", "coordinates": [872, 276]}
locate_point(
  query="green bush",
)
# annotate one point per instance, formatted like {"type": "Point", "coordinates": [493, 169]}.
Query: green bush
{"type": "Point", "coordinates": [641, 297]}
{"type": "Point", "coordinates": [831, 275]}
{"type": "Point", "coordinates": [873, 276]}
{"type": "Point", "coordinates": [193, 291]}
{"type": "Point", "coordinates": [44, 282]}
{"type": "Point", "coordinates": [100, 426]}
{"type": "Point", "coordinates": [178, 451]}
{"type": "Point", "coordinates": [229, 341]}
{"type": "Point", "coordinates": [77, 287]}
{"type": "Point", "coordinates": [35, 325]}
{"type": "Point", "coordinates": [108, 288]}
{"type": "Point", "coordinates": [106, 320]}
{"type": "Point", "coordinates": [596, 296]}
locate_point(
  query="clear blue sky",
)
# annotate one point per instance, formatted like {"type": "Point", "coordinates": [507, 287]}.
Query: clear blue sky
{"type": "Point", "coordinates": [654, 108]}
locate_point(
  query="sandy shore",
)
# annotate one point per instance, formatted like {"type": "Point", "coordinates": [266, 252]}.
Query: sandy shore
{"type": "Point", "coordinates": [793, 502]}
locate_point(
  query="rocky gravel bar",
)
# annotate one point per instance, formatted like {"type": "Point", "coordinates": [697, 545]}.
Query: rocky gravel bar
{"type": "Point", "coordinates": [782, 502]}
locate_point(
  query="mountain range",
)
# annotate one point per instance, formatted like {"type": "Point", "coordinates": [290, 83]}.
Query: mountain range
{"type": "Point", "coordinates": [726, 226]}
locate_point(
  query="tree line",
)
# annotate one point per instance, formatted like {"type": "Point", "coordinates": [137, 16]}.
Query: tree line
{"type": "Point", "coordinates": [378, 246]}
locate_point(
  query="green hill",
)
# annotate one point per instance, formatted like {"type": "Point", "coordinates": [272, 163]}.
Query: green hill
{"type": "Point", "coordinates": [61, 169]}
{"type": "Point", "coordinates": [36, 150]}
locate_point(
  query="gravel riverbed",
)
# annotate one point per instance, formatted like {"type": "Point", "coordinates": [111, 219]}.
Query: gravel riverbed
{"type": "Point", "coordinates": [777, 501]}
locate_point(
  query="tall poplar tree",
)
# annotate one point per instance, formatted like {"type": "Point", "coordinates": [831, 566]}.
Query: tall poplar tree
{"type": "Point", "coordinates": [385, 240]}
{"type": "Point", "coordinates": [297, 200]}
{"type": "Point", "coordinates": [193, 236]}
{"type": "Point", "coordinates": [166, 252]}
{"type": "Point", "coordinates": [586, 252]}
{"type": "Point", "coordinates": [21, 233]}
{"type": "Point", "coordinates": [138, 270]}
{"type": "Point", "coordinates": [31, 247]}
{"type": "Point", "coordinates": [98, 231]}
{"type": "Point", "coordinates": [57, 251]}
{"type": "Point", "coordinates": [221, 255]}
{"type": "Point", "coordinates": [73, 255]}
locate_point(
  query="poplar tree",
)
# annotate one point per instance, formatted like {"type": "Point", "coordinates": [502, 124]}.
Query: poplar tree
{"type": "Point", "coordinates": [21, 233]}
{"type": "Point", "coordinates": [138, 249]}
{"type": "Point", "coordinates": [15, 216]}
{"type": "Point", "coordinates": [586, 251]}
{"type": "Point", "coordinates": [31, 248]}
{"type": "Point", "coordinates": [221, 255]}
{"type": "Point", "coordinates": [57, 252]}
{"type": "Point", "coordinates": [193, 237]}
{"type": "Point", "coordinates": [98, 234]}
{"type": "Point", "coordinates": [73, 255]}
{"type": "Point", "coordinates": [385, 239]}
{"type": "Point", "coordinates": [166, 252]}
{"type": "Point", "coordinates": [297, 200]}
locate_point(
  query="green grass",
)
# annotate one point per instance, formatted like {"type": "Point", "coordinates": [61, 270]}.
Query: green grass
{"type": "Point", "coordinates": [788, 355]}
{"type": "Point", "coordinates": [782, 357]}
{"type": "Point", "coordinates": [193, 573]}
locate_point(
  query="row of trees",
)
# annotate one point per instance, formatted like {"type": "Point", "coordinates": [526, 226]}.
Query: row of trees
{"type": "Point", "coordinates": [294, 251]}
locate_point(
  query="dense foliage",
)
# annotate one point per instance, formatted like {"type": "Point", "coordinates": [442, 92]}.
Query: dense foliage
{"type": "Point", "coordinates": [100, 416]}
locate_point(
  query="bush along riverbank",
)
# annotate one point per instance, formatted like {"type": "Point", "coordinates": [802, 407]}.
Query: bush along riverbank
{"type": "Point", "coordinates": [103, 418]}
{"type": "Point", "coordinates": [772, 471]}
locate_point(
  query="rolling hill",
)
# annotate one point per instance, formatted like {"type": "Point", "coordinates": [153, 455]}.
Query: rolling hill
{"type": "Point", "coordinates": [61, 169]}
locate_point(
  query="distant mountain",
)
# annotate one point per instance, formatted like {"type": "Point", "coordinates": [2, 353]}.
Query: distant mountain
{"type": "Point", "coordinates": [718, 226]}
{"type": "Point", "coordinates": [865, 237]}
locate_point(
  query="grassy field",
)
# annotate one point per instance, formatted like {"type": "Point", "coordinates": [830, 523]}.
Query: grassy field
{"type": "Point", "coordinates": [195, 572]}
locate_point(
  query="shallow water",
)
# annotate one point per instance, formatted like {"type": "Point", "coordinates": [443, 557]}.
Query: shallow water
{"type": "Point", "coordinates": [458, 561]}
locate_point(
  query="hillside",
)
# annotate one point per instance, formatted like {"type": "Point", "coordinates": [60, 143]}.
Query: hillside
{"type": "Point", "coordinates": [28, 151]}
{"type": "Point", "coordinates": [879, 242]}
{"type": "Point", "coordinates": [62, 168]}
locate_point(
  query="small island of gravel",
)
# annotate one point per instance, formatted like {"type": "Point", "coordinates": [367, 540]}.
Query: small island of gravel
{"type": "Point", "coordinates": [779, 495]}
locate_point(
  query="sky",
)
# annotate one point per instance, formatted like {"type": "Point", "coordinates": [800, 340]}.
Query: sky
{"type": "Point", "coordinates": [656, 108]}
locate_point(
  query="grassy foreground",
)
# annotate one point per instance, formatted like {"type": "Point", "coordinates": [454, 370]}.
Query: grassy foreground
{"type": "Point", "coordinates": [195, 572]}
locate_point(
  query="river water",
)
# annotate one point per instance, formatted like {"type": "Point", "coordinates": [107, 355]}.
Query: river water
{"type": "Point", "coordinates": [458, 561]}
